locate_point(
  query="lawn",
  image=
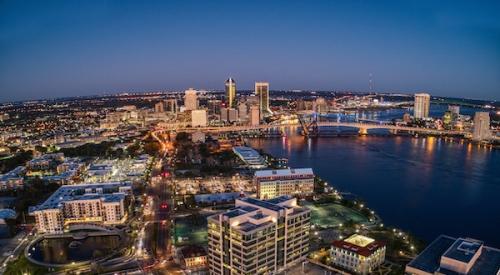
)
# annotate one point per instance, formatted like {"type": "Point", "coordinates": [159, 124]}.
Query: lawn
{"type": "Point", "coordinates": [331, 214]}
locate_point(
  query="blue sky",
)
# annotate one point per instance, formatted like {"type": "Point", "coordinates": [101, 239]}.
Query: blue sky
{"type": "Point", "coordinates": [67, 48]}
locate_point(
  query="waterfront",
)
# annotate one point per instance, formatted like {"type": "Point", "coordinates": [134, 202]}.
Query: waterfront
{"type": "Point", "coordinates": [426, 185]}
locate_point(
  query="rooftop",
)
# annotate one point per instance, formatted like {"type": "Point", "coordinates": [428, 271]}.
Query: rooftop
{"type": "Point", "coordinates": [285, 172]}
{"type": "Point", "coordinates": [463, 250]}
{"type": "Point", "coordinates": [359, 244]}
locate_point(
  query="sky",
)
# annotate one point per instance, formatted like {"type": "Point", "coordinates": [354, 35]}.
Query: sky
{"type": "Point", "coordinates": [68, 48]}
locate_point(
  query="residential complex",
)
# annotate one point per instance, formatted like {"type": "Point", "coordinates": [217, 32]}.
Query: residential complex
{"type": "Point", "coordinates": [275, 183]}
{"type": "Point", "coordinates": [358, 253]}
{"type": "Point", "coordinates": [448, 255]}
{"type": "Point", "coordinates": [104, 203]}
{"type": "Point", "coordinates": [258, 237]}
{"type": "Point", "coordinates": [422, 105]}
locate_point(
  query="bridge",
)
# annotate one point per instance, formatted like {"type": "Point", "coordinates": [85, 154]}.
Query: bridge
{"type": "Point", "coordinates": [363, 128]}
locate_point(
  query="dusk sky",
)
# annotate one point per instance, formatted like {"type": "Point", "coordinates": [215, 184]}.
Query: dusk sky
{"type": "Point", "coordinates": [67, 48]}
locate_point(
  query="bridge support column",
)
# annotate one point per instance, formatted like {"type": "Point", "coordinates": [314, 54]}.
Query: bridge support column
{"type": "Point", "coordinates": [363, 131]}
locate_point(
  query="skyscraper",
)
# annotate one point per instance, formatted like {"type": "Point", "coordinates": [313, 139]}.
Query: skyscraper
{"type": "Point", "coordinates": [481, 126]}
{"type": "Point", "coordinates": [422, 104]}
{"type": "Point", "coordinates": [262, 91]}
{"type": "Point", "coordinates": [254, 115]}
{"type": "Point", "coordinates": [190, 99]}
{"type": "Point", "coordinates": [258, 237]}
{"type": "Point", "coordinates": [230, 93]}
{"type": "Point", "coordinates": [159, 107]}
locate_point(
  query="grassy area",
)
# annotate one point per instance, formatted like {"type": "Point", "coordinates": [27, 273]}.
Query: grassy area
{"type": "Point", "coordinates": [332, 214]}
{"type": "Point", "coordinates": [191, 230]}
{"type": "Point", "coordinates": [23, 266]}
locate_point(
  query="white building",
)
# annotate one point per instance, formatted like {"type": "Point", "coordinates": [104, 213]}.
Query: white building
{"type": "Point", "coordinates": [358, 253]}
{"type": "Point", "coordinates": [481, 126]}
{"type": "Point", "coordinates": [254, 115]}
{"type": "Point", "coordinates": [199, 118]}
{"type": "Point", "coordinates": [103, 203]}
{"type": "Point", "coordinates": [190, 100]}
{"type": "Point", "coordinates": [422, 105]}
{"type": "Point", "coordinates": [258, 237]}
{"type": "Point", "coordinates": [275, 183]}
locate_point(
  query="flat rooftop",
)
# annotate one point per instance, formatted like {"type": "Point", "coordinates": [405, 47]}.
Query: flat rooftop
{"type": "Point", "coordinates": [359, 244]}
{"type": "Point", "coordinates": [429, 259]}
{"type": "Point", "coordinates": [463, 250]}
{"type": "Point", "coordinates": [284, 172]}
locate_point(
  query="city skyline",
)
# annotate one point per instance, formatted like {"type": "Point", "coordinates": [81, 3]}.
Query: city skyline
{"type": "Point", "coordinates": [64, 49]}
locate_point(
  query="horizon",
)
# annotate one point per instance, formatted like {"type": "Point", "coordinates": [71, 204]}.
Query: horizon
{"type": "Point", "coordinates": [69, 48]}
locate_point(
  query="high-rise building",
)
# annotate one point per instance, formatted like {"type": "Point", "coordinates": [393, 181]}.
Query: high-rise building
{"type": "Point", "coordinates": [214, 106]}
{"type": "Point", "coordinates": [199, 118]}
{"type": "Point", "coordinates": [481, 126]}
{"type": "Point", "coordinates": [224, 114]}
{"type": "Point", "coordinates": [275, 183]}
{"type": "Point", "coordinates": [190, 100]}
{"type": "Point", "coordinates": [159, 107]}
{"type": "Point", "coordinates": [243, 111]}
{"type": "Point", "coordinates": [171, 105]}
{"type": "Point", "coordinates": [254, 115]}
{"type": "Point", "coordinates": [262, 91]}
{"type": "Point", "coordinates": [422, 104]}
{"type": "Point", "coordinates": [454, 109]}
{"type": "Point", "coordinates": [230, 93]}
{"type": "Point", "coordinates": [358, 253]}
{"type": "Point", "coordinates": [232, 115]}
{"type": "Point", "coordinates": [258, 237]}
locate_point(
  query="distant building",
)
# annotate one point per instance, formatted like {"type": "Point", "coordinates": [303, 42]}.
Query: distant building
{"type": "Point", "coordinates": [160, 107]}
{"type": "Point", "coordinates": [13, 179]}
{"type": "Point", "coordinates": [421, 106]}
{"type": "Point", "coordinates": [481, 126]}
{"type": "Point", "coordinates": [103, 203]}
{"type": "Point", "coordinates": [258, 237]}
{"type": "Point", "coordinates": [170, 105]}
{"type": "Point", "coordinates": [232, 115]}
{"type": "Point", "coordinates": [254, 115]}
{"type": "Point", "coordinates": [243, 111]}
{"type": "Point", "coordinates": [190, 100]}
{"type": "Point", "coordinates": [358, 253]}
{"type": "Point", "coordinates": [224, 114]}
{"type": "Point", "coordinates": [214, 106]}
{"type": "Point", "coordinates": [230, 93]}
{"type": "Point", "coordinates": [447, 118]}
{"type": "Point", "coordinates": [320, 105]}
{"type": "Point", "coordinates": [275, 183]}
{"type": "Point", "coordinates": [454, 109]}
{"type": "Point", "coordinates": [262, 91]}
{"type": "Point", "coordinates": [406, 117]}
{"type": "Point", "coordinates": [448, 255]}
{"type": "Point", "coordinates": [199, 118]}
{"type": "Point", "coordinates": [198, 137]}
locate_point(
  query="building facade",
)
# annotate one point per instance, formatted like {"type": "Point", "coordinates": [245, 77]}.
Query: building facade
{"type": "Point", "coordinates": [190, 100]}
{"type": "Point", "coordinates": [358, 253]}
{"type": "Point", "coordinates": [275, 183]}
{"type": "Point", "coordinates": [262, 91]}
{"type": "Point", "coordinates": [258, 237]}
{"type": "Point", "coordinates": [83, 203]}
{"type": "Point", "coordinates": [481, 126]}
{"type": "Point", "coordinates": [421, 106]}
{"type": "Point", "coordinates": [199, 118]}
{"type": "Point", "coordinates": [254, 115]}
{"type": "Point", "coordinates": [230, 93]}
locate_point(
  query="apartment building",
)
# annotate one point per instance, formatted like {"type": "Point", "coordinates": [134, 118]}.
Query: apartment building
{"type": "Point", "coordinates": [282, 182]}
{"type": "Point", "coordinates": [358, 253]}
{"type": "Point", "coordinates": [258, 236]}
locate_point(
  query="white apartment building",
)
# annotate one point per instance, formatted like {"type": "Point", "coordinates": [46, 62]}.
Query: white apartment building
{"type": "Point", "coordinates": [190, 100]}
{"type": "Point", "coordinates": [258, 237]}
{"type": "Point", "coordinates": [421, 105]}
{"type": "Point", "coordinates": [282, 182]}
{"type": "Point", "coordinates": [358, 253]}
{"type": "Point", "coordinates": [103, 203]}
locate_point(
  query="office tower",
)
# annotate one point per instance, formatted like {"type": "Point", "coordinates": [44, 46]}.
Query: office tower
{"type": "Point", "coordinates": [262, 91]}
{"type": "Point", "coordinates": [276, 183]}
{"type": "Point", "coordinates": [481, 126]}
{"type": "Point", "coordinates": [170, 105]}
{"type": "Point", "coordinates": [232, 115]}
{"type": "Point", "coordinates": [223, 114]}
{"type": "Point", "coordinates": [358, 253]}
{"type": "Point", "coordinates": [159, 107]}
{"type": "Point", "coordinates": [214, 106]}
{"type": "Point", "coordinates": [230, 93]}
{"type": "Point", "coordinates": [421, 107]}
{"type": "Point", "coordinates": [190, 100]}
{"type": "Point", "coordinates": [454, 109]}
{"type": "Point", "coordinates": [254, 115]}
{"type": "Point", "coordinates": [258, 237]}
{"type": "Point", "coordinates": [243, 111]}
{"type": "Point", "coordinates": [448, 255]}
{"type": "Point", "coordinates": [199, 118]}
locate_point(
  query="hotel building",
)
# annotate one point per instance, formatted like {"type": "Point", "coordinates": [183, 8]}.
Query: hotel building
{"type": "Point", "coordinates": [275, 183]}
{"type": "Point", "coordinates": [447, 255]}
{"type": "Point", "coordinates": [422, 105]}
{"type": "Point", "coordinates": [104, 203]}
{"type": "Point", "coordinates": [258, 237]}
{"type": "Point", "coordinates": [358, 253]}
